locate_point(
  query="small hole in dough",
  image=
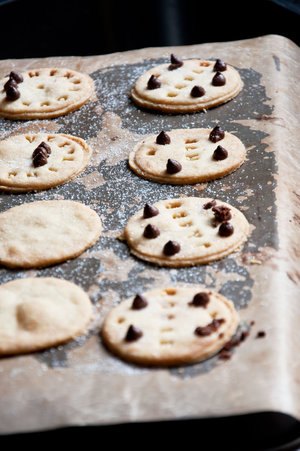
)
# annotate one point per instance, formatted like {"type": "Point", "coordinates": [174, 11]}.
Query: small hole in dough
{"type": "Point", "coordinates": [53, 72]}
{"type": "Point", "coordinates": [46, 103]}
{"type": "Point", "coordinates": [189, 78]}
{"type": "Point", "coordinates": [151, 152]}
{"type": "Point", "coordinates": [121, 320]}
{"type": "Point", "coordinates": [207, 244]}
{"type": "Point", "coordinates": [26, 103]}
{"type": "Point", "coordinates": [180, 214]}
{"type": "Point", "coordinates": [171, 316]}
{"type": "Point", "coordinates": [166, 342]}
{"type": "Point", "coordinates": [40, 86]}
{"type": "Point", "coordinates": [167, 329]}
{"type": "Point", "coordinates": [53, 169]}
{"type": "Point", "coordinates": [68, 159]}
{"type": "Point", "coordinates": [171, 291]}
{"type": "Point", "coordinates": [64, 97]}
{"type": "Point", "coordinates": [191, 140]}
{"type": "Point", "coordinates": [204, 64]}
{"type": "Point", "coordinates": [174, 205]}
{"type": "Point", "coordinates": [172, 94]}
{"type": "Point", "coordinates": [186, 224]}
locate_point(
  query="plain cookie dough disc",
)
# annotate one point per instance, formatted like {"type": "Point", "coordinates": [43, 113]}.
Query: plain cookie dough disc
{"type": "Point", "coordinates": [170, 326]}
{"type": "Point", "coordinates": [37, 313]}
{"type": "Point", "coordinates": [173, 90]}
{"type": "Point", "coordinates": [46, 93]}
{"type": "Point", "coordinates": [18, 172]}
{"type": "Point", "coordinates": [186, 231]}
{"type": "Point", "coordinates": [192, 151]}
{"type": "Point", "coordinates": [43, 233]}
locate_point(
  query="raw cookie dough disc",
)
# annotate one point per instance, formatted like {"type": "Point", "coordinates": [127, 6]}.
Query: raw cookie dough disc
{"type": "Point", "coordinates": [170, 326]}
{"type": "Point", "coordinates": [37, 313]}
{"type": "Point", "coordinates": [173, 94]}
{"type": "Point", "coordinates": [193, 150]}
{"type": "Point", "coordinates": [46, 93]}
{"type": "Point", "coordinates": [186, 232]}
{"type": "Point", "coordinates": [69, 156]}
{"type": "Point", "coordinates": [43, 233]}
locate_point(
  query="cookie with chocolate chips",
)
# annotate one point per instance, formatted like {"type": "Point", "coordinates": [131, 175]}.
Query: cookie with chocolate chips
{"type": "Point", "coordinates": [184, 86]}
{"type": "Point", "coordinates": [187, 156]}
{"type": "Point", "coordinates": [43, 93]}
{"type": "Point", "coordinates": [37, 161]}
{"type": "Point", "coordinates": [188, 231]}
{"type": "Point", "coordinates": [172, 328]}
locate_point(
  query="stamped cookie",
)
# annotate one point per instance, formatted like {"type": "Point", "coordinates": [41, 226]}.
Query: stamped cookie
{"type": "Point", "coordinates": [170, 326]}
{"type": "Point", "coordinates": [40, 161]}
{"type": "Point", "coordinates": [185, 86]}
{"type": "Point", "coordinates": [186, 231]}
{"type": "Point", "coordinates": [187, 155]}
{"type": "Point", "coordinates": [43, 93]}
{"type": "Point", "coordinates": [43, 233]}
{"type": "Point", "coordinates": [37, 313]}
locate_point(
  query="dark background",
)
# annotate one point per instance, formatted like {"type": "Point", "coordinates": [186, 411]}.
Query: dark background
{"type": "Point", "coordinates": [32, 28]}
{"type": "Point", "coordinates": [37, 28]}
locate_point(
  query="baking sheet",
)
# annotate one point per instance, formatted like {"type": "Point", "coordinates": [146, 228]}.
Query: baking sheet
{"type": "Point", "coordinates": [81, 382]}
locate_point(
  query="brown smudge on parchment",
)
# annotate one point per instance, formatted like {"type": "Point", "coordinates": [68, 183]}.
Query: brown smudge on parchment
{"type": "Point", "coordinates": [157, 279]}
{"type": "Point", "coordinates": [32, 127]}
{"type": "Point", "coordinates": [113, 143]}
{"type": "Point", "coordinates": [113, 268]}
{"type": "Point", "coordinates": [91, 181]}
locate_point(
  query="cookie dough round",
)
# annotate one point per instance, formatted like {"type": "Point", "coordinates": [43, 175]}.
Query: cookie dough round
{"type": "Point", "coordinates": [37, 313]}
{"type": "Point", "coordinates": [173, 95]}
{"type": "Point", "coordinates": [43, 233]}
{"type": "Point", "coordinates": [194, 152]}
{"type": "Point", "coordinates": [170, 327]}
{"type": "Point", "coordinates": [46, 93]}
{"type": "Point", "coordinates": [69, 156]}
{"type": "Point", "coordinates": [186, 232]}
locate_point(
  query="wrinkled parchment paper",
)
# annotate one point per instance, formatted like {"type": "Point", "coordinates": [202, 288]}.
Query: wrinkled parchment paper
{"type": "Point", "coordinates": [81, 383]}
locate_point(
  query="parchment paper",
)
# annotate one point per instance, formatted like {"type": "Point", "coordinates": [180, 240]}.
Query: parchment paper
{"type": "Point", "coordinates": [81, 383]}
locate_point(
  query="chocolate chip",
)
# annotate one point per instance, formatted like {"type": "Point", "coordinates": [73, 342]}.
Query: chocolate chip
{"type": "Point", "coordinates": [200, 300]}
{"type": "Point", "coordinates": [203, 331]}
{"type": "Point", "coordinates": [153, 82]}
{"type": "Point", "coordinates": [151, 231]}
{"type": "Point", "coordinates": [219, 66]}
{"type": "Point", "coordinates": [46, 147]}
{"type": "Point", "coordinates": [220, 154]}
{"type": "Point", "coordinates": [133, 333]}
{"type": "Point", "coordinates": [150, 211]}
{"type": "Point", "coordinates": [218, 79]}
{"type": "Point", "coordinates": [226, 229]}
{"type": "Point", "coordinates": [40, 159]}
{"type": "Point", "coordinates": [261, 334]}
{"type": "Point", "coordinates": [197, 91]}
{"type": "Point", "coordinates": [171, 248]}
{"type": "Point", "coordinates": [163, 138]}
{"type": "Point", "coordinates": [39, 150]}
{"type": "Point", "coordinates": [209, 204]}
{"type": "Point", "coordinates": [173, 166]}
{"type": "Point", "coordinates": [222, 213]}
{"type": "Point", "coordinates": [10, 82]}
{"type": "Point", "coordinates": [16, 76]}
{"type": "Point", "coordinates": [12, 92]}
{"type": "Point", "coordinates": [217, 134]}
{"type": "Point", "coordinates": [139, 302]}
{"type": "Point", "coordinates": [175, 62]}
